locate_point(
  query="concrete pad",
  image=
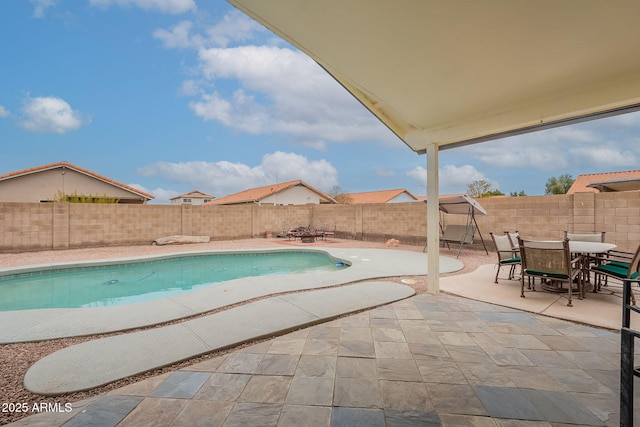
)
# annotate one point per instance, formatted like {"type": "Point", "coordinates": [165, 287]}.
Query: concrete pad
{"type": "Point", "coordinates": [336, 301]}
{"type": "Point", "coordinates": [479, 285]}
{"type": "Point", "coordinates": [99, 362]}
{"type": "Point", "coordinates": [95, 363]}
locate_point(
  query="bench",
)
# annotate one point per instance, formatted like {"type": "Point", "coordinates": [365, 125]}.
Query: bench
{"type": "Point", "coordinates": [460, 234]}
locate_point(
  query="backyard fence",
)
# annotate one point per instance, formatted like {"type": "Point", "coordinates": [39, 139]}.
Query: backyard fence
{"type": "Point", "coordinates": [60, 225]}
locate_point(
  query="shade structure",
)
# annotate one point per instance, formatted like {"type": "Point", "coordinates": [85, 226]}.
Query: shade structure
{"type": "Point", "coordinates": [461, 205]}
{"type": "Point", "coordinates": [442, 74]}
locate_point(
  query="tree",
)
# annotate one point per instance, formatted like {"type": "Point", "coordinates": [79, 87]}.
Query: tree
{"type": "Point", "coordinates": [60, 196]}
{"type": "Point", "coordinates": [515, 194]}
{"type": "Point", "coordinates": [339, 195]}
{"type": "Point", "coordinates": [482, 188]}
{"type": "Point", "coordinates": [559, 185]}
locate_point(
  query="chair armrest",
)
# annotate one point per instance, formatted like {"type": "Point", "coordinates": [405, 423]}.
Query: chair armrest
{"type": "Point", "coordinates": [577, 259]}
{"type": "Point", "coordinates": [613, 255]}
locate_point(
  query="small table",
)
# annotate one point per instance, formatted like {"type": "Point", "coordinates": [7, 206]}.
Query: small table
{"type": "Point", "coordinates": [307, 238]}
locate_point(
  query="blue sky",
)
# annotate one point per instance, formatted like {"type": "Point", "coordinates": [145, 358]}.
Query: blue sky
{"type": "Point", "coordinates": [175, 95]}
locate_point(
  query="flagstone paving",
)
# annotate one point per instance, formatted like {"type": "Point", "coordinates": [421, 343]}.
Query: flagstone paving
{"type": "Point", "coordinates": [429, 360]}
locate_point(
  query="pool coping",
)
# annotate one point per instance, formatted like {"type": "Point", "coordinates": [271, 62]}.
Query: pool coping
{"type": "Point", "coordinates": [366, 264]}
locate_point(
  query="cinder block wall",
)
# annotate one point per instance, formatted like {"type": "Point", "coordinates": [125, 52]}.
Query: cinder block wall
{"type": "Point", "coordinates": [45, 226]}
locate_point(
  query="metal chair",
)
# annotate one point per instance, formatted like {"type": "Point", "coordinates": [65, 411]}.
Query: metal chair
{"type": "Point", "coordinates": [585, 237]}
{"type": "Point", "coordinates": [507, 255]}
{"type": "Point", "coordinates": [551, 261]}
{"type": "Point", "coordinates": [617, 265]}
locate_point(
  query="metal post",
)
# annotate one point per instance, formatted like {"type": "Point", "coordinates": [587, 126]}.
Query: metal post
{"type": "Point", "coordinates": [433, 223]}
{"type": "Point", "coordinates": [626, 377]}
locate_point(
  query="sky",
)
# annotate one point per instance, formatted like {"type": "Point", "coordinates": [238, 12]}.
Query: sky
{"type": "Point", "coordinates": [170, 96]}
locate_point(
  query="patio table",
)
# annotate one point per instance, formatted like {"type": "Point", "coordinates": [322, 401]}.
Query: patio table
{"type": "Point", "coordinates": [578, 247]}
{"type": "Point", "coordinates": [585, 249]}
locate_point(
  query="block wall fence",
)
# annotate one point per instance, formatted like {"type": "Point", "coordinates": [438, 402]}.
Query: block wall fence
{"type": "Point", "coordinates": [52, 226]}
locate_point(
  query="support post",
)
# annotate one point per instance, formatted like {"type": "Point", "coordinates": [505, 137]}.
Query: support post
{"type": "Point", "coordinates": [433, 220]}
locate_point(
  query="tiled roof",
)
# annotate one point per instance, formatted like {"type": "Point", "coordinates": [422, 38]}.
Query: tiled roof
{"type": "Point", "coordinates": [381, 196]}
{"type": "Point", "coordinates": [256, 194]}
{"type": "Point", "coordinates": [195, 194]}
{"type": "Point", "coordinates": [580, 185]}
{"type": "Point", "coordinates": [77, 169]}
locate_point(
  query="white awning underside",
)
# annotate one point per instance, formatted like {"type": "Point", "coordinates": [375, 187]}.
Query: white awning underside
{"type": "Point", "coordinates": [457, 72]}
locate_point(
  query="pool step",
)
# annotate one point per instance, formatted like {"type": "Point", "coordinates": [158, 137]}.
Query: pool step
{"type": "Point", "coordinates": [95, 363]}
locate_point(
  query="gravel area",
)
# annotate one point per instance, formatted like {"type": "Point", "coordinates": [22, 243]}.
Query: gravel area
{"type": "Point", "coordinates": [17, 358]}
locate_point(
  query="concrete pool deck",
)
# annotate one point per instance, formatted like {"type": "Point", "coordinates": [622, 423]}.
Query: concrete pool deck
{"type": "Point", "coordinates": [366, 264]}
{"type": "Point", "coordinates": [105, 360]}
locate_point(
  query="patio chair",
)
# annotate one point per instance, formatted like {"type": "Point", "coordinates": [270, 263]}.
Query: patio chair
{"type": "Point", "coordinates": [618, 265]}
{"type": "Point", "coordinates": [328, 231]}
{"type": "Point", "coordinates": [585, 237]}
{"type": "Point", "coordinates": [513, 236]}
{"type": "Point", "coordinates": [551, 262]}
{"type": "Point", "coordinates": [507, 255]}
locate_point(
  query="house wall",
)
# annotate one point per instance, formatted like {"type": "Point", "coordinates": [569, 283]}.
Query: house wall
{"type": "Point", "coordinates": [296, 195]}
{"type": "Point", "coordinates": [44, 185]}
{"type": "Point", "coordinates": [45, 226]}
{"type": "Point", "coordinates": [195, 201]}
{"type": "Point", "coordinates": [401, 198]}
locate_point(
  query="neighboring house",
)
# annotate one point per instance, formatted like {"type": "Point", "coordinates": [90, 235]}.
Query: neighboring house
{"type": "Point", "coordinates": [45, 183]}
{"type": "Point", "coordinates": [194, 197]}
{"type": "Point", "coordinates": [287, 193]}
{"type": "Point", "coordinates": [382, 196]}
{"type": "Point", "coordinates": [607, 181]}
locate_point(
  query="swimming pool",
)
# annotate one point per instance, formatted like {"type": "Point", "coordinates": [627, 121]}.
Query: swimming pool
{"type": "Point", "coordinates": [121, 283]}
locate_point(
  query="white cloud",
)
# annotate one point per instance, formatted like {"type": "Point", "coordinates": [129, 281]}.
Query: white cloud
{"type": "Point", "coordinates": [610, 156]}
{"type": "Point", "coordinates": [162, 195]}
{"type": "Point", "coordinates": [50, 114]}
{"type": "Point", "coordinates": [40, 7]}
{"type": "Point", "coordinates": [165, 6]}
{"type": "Point", "coordinates": [267, 89]}
{"type": "Point", "coordinates": [234, 27]}
{"type": "Point", "coordinates": [4, 112]}
{"type": "Point", "coordinates": [178, 37]}
{"type": "Point", "coordinates": [283, 91]}
{"type": "Point", "coordinates": [600, 145]}
{"type": "Point", "coordinates": [222, 178]}
{"type": "Point", "coordinates": [386, 172]}
{"type": "Point", "coordinates": [453, 179]}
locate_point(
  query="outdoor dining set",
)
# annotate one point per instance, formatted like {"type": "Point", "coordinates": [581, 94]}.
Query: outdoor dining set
{"type": "Point", "coordinates": [308, 233]}
{"type": "Point", "coordinates": [575, 264]}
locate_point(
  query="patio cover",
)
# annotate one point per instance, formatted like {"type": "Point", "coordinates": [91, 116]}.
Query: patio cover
{"type": "Point", "coordinates": [442, 74]}
{"type": "Point", "coordinates": [617, 185]}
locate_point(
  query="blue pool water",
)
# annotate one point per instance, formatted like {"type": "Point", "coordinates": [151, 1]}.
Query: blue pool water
{"type": "Point", "coordinates": [132, 282]}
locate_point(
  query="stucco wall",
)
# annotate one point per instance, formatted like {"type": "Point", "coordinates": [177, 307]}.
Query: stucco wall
{"type": "Point", "coordinates": [44, 226]}
{"type": "Point", "coordinates": [46, 184]}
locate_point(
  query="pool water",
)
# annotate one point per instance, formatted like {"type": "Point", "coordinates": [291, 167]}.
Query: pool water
{"type": "Point", "coordinates": [140, 281]}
